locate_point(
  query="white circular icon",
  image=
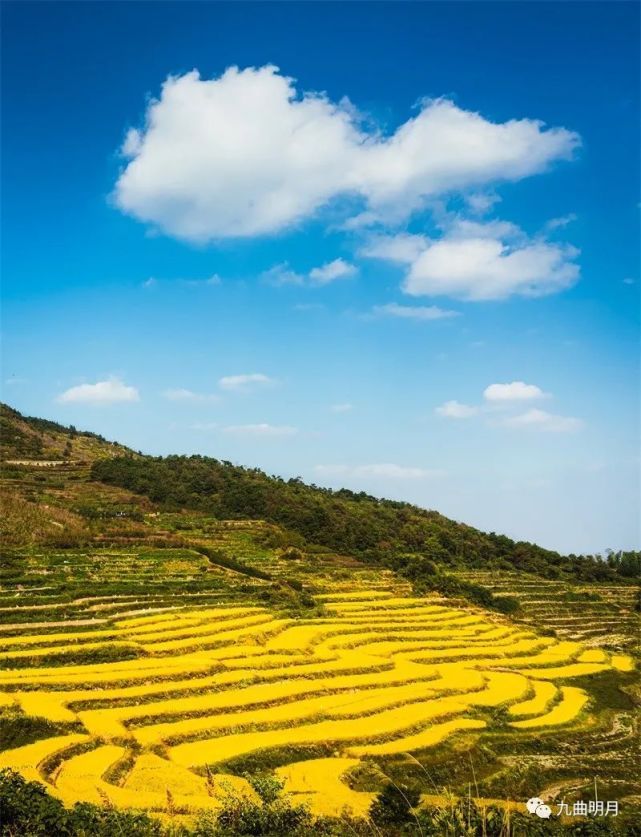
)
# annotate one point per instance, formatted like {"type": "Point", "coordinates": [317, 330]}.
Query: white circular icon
{"type": "Point", "coordinates": [543, 811]}
{"type": "Point", "coordinates": [533, 804]}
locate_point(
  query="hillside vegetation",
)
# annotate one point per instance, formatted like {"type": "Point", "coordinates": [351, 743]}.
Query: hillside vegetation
{"type": "Point", "coordinates": [194, 649]}
{"type": "Point", "coordinates": [395, 534]}
{"type": "Point", "coordinates": [25, 437]}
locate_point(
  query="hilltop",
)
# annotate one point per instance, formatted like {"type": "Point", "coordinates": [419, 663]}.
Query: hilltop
{"type": "Point", "coordinates": [29, 438]}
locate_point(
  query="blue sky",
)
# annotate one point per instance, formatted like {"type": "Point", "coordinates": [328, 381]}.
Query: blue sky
{"type": "Point", "coordinates": [404, 261]}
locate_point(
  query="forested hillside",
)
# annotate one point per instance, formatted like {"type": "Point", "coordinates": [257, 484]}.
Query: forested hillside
{"type": "Point", "coordinates": [415, 541]}
{"type": "Point", "coordinates": [392, 533]}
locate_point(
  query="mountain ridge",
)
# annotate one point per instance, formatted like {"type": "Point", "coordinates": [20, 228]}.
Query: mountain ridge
{"type": "Point", "coordinates": [413, 541]}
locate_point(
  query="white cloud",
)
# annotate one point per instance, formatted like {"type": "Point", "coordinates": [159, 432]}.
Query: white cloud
{"type": "Point", "coordinates": [478, 260]}
{"type": "Point", "coordinates": [330, 272]}
{"type": "Point", "coordinates": [464, 228]}
{"type": "Point", "coordinates": [413, 312]}
{"type": "Point", "coordinates": [282, 274]}
{"type": "Point", "coordinates": [516, 391]}
{"type": "Point", "coordinates": [562, 221]}
{"type": "Point", "coordinates": [341, 408]}
{"type": "Point", "coordinates": [211, 281]}
{"type": "Point", "coordinates": [243, 383]}
{"type": "Point", "coordinates": [486, 268]}
{"type": "Point", "coordinates": [456, 410]}
{"type": "Point", "coordinates": [480, 202]}
{"type": "Point", "coordinates": [508, 396]}
{"type": "Point", "coordinates": [544, 421]}
{"type": "Point", "coordinates": [387, 470]}
{"type": "Point", "coordinates": [262, 430]}
{"type": "Point", "coordinates": [404, 248]}
{"type": "Point", "coordinates": [112, 391]}
{"type": "Point", "coordinates": [359, 221]}
{"type": "Point", "coordinates": [246, 154]}
{"type": "Point", "coordinates": [188, 395]}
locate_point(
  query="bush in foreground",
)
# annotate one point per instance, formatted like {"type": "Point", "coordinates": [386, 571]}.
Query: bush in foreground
{"type": "Point", "coordinates": [27, 810]}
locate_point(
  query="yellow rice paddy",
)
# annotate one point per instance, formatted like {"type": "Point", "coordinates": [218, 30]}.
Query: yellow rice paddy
{"type": "Point", "coordinates": [320, 784]}
{"type": "Point", "coordinates": [380, 675]}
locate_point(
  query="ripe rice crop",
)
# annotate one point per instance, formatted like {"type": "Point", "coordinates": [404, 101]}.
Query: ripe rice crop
{"type": "Point", "coordinates": [544, 693]}
{"type": "Point", "coordinates": [572, 702]}
{"type": "Point", "coordinates": [151, 771]}
{"type": "Point", "coordinates": [381, 675]}
{"type": "Point", "coordinates": [28, 759]}
{"type": "Point", "coordinates": [420, 740]}
{"type": "Point", "coordinates": [319, 783]}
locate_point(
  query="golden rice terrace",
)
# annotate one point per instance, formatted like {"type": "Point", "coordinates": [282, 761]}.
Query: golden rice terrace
{"type": "Point", "coordinates": [159, 659]}
{"type": "Point", "coordinates": [159, 702]}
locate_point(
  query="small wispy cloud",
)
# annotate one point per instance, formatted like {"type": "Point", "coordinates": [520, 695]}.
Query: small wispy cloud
{"type": "Point", "coordinates": [515, 391]}
{"type": "Point", "coordinates": [456, 410]}
{"type": "Point", "coordinates": [341, 408]}
{"type": "Point", "coordinates": [422, 313]}
{"type": "Point", "coordinates": [111, 391]}
{"type": "Point", "coordinates": [282, 274]}
{"type": "Point", "coordinates": [481, 202]}
{"type": "Point", "coordinates": [245, 383]}
{"type": "Point", "coordinates": [507, 399]}
{"type": "Point", "coordinates": [189, 396]}
{"type": "Point", "coordinates": [403, 248]}
{"type": "Point", "coordinates": [546, 422]}
{"type": "Point", "coordinates": [211, 281]}
{"type": "Point", "coordinates": [562, 221]}
{"type": "Point", "coordinates": [330, 272]}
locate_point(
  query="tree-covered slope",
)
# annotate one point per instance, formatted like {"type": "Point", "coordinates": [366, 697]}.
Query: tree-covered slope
{"type": "Point", "coordinates": [392, 533]}
{"type": "Point", "coordinates": [399, 535]}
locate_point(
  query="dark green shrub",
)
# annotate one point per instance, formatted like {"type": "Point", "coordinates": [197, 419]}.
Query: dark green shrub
{"type": "Point", "coordinates": [507, 604]}
{"type": "Point", "coordinates": [27, 810]}
{"type": "Point", "coordinates": [393, 806]}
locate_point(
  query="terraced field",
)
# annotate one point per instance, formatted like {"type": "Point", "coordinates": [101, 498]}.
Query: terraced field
{"type": "Point", "coordinates": [140, 670]}
{"type": "Point", "coordinates": [181, 696]}
{"type": "Point", "coordinates": [598, 615]}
